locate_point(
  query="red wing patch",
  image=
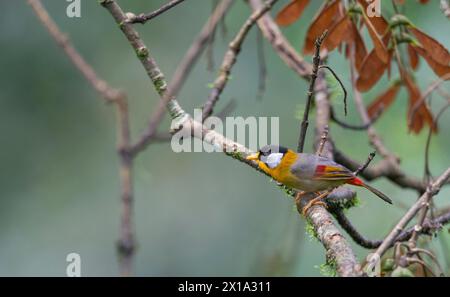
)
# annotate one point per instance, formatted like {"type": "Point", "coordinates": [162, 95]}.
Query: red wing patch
{"type": "Point", "coordinates": [332, 173]}
{"type": "Point", "coordinates": [320, 169]}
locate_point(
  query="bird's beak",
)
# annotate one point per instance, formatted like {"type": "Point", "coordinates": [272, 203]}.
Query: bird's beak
{"type": "Point", "coordinates": [254, 157]}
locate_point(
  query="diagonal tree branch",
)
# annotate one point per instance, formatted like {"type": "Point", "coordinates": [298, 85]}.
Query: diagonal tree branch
{"type": "Point", "coordinates": [230, 58]}
{"type": "Point", "coordinates": [383, 169]}
{"type": "Point", "coordinates": [428, 227]}
{"type": "Point", "coordinates": [422, 202]}
{"type": "Point", "coordinates": [280, 44]}
{"type": "Point", "coordinates": [181, 73]}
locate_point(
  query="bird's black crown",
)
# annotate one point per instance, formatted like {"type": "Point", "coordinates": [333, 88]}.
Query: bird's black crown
{"type": "Point", "coordinates": [270, 149]}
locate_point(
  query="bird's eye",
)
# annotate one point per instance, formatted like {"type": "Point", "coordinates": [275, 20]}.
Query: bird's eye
{"type": "Point", "coordinates": [265, 152]}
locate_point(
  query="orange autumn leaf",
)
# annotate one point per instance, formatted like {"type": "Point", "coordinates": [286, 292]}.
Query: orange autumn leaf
{"type": "Point", "coordinates": [379, 23]}
{"type": "Point", "coordinates": [340, 32]}
{"type": "Point", "coordinates": [413, 57]}
{"type": "Point", "coordinates": [435, 49]}
{"type": "Point", "coordinates": [422, 115]}
{"type": "Point", "coordinates": [371, 71]}
{"type": "Point", "coordinates": [291, 12]}
{"type": "Point", "coordinates": [383, 101]}
{"type": "Point", "coordinates": [378, 43]}
{"type": "Point", "coordinates": [360, 47]}
{"type": "Point", "coordinates": [439, 69]}
{"type": "Point", "coordinates": [323, 21]}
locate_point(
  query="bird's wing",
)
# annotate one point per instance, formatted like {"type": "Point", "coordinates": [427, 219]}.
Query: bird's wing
{"type": "Point", "coordinates": [329, 170]}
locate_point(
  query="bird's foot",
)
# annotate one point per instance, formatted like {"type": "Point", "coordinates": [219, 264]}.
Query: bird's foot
{"type": "Point", "coordinates": [315, 201]}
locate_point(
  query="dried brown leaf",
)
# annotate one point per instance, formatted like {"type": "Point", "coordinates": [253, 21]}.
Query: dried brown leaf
{"type": "Point", "coordinates": [439, 69]}
{"type": "Point", "coordinates": [378, 43]}
{"type": "Point", "coordinates": [422, 115]}
{"type": "Point", "coordinates": [383, 101]}
{"type": "Point", "coordinates": [413, 57]}
{"type": "Point", "coordinates": [291, 12]}
{"type": "Point", "coordinates": [340, 32]}
{"type": "Point", "coordinates": [324, 20]}
{"type": "Point", "coordinates": [433, 47]}
{"type": "Point", "coordinates": [360, 47]}
{"type": "Point", "coordinates": [371, 71]}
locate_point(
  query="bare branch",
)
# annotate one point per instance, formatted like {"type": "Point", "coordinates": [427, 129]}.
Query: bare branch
{"type": "Point", "coordinates": [280, 44]}
{"type": "Point", "coordinates": [374, 138]}
{"type": "Point", "coordinates": [338, 249]}
{"type": "Point", "coordinates": [315, 70]}
{"type": "Point", "coordinates": [181, 73]}
{"type": "Point", "coordinates": [423, 201]}
{"type": "Point", "coordinates": [365, 165]}
{"type": "Point", "coordinates": [143, 18]}
{"type": "Point", "coordinates": [383, 169]}
{"type": "Point", "coordinates": [362, 127]}
{"type": "Point", "coordinates": [126, 243]}
{"type": "Point", "coordinates": [107, 92]}
{"type": "Point", "coordinates": [197, 47]}
{"type": "Point", "coordinates": [340, 83]}
{"type": "Point", "coordinates": [428, 227]}
{"type": "Point", "coordinates": [323, 140]}
{"type": "Point", "coordinates": [427, 93]}
{"type": "Point", "coordinates": [230, 58]}
{"type": "Point", "coordinates": [428, 143]}
{"type": "Point", "coordinates": [262, 73]}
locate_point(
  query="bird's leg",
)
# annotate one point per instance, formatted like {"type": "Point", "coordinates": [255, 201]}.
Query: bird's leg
{"type": "Point", "coordinates": [316, 201]}
{"type": "Point", "coordinates": [299, 196]}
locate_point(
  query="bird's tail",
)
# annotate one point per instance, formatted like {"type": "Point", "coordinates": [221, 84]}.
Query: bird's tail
{"type": "Point", "coordinates": [357, 182]}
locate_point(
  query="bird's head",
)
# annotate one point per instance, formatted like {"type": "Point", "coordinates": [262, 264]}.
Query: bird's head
{"type": "Point", "coordinates": [270, 155]}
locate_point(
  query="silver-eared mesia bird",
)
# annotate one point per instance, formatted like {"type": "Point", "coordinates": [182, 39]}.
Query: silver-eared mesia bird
{"type": "Point", "coordinates": [307, 172]}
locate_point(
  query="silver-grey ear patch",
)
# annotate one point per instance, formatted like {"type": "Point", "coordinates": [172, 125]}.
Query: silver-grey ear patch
{"type": "Point", "coordinates": [273, 160]}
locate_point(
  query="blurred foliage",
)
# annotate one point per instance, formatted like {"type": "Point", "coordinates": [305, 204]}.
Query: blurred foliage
{"type": "Point", "coordinates": [196, 213]}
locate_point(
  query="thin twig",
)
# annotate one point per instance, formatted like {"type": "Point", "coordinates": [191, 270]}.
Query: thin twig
{"type": "Point", "coordinates": [323, 140]}
{"type": "Point", "coordinates": [181, 73]}
{"type": "Point", "coordinates": [428, 175]}
{"type": "Point", "coordinates": [280, 44]}
{"type": "Point", "coordinates": [428, 228]}
{"type": "Point", "coordinates": [362, 127]}
{"type": "Point", "coordinates": [107, 92]}
{"type": "Point", "coordinates": [262, 73]}
{"type": "Point", "coordinates": [423, 213]}
{"type": "Point", "coordinates": [230, 58]}
{"type": "Point", "coordinates": [315, 70]}
{"type": "Point", "coordinates": [143, 18]}
{"type": "Point", "coordinates": [423, 201]}
{"type": "Point", "coordinates": [210, 47]}
{"type": "Point", "coordinates": [376, 141]}
{"type": "Point", "coordinates": [382, 169]}
{"type": "Point", "coordinates": [366, 164]}
{"type": "Point", "coordinates": [340, 83]}
{"type": "Point", "coordinates": [425, 95]}
{"type": "Point", "coordinates": [197, 47]}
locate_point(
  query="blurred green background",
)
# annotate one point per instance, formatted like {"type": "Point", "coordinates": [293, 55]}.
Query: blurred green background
{"type": "Point", "coordinates": [195, 213]}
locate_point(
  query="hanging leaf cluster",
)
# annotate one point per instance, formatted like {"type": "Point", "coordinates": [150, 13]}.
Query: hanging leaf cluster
{"type": "Point", "coordinates": [391, 41]}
